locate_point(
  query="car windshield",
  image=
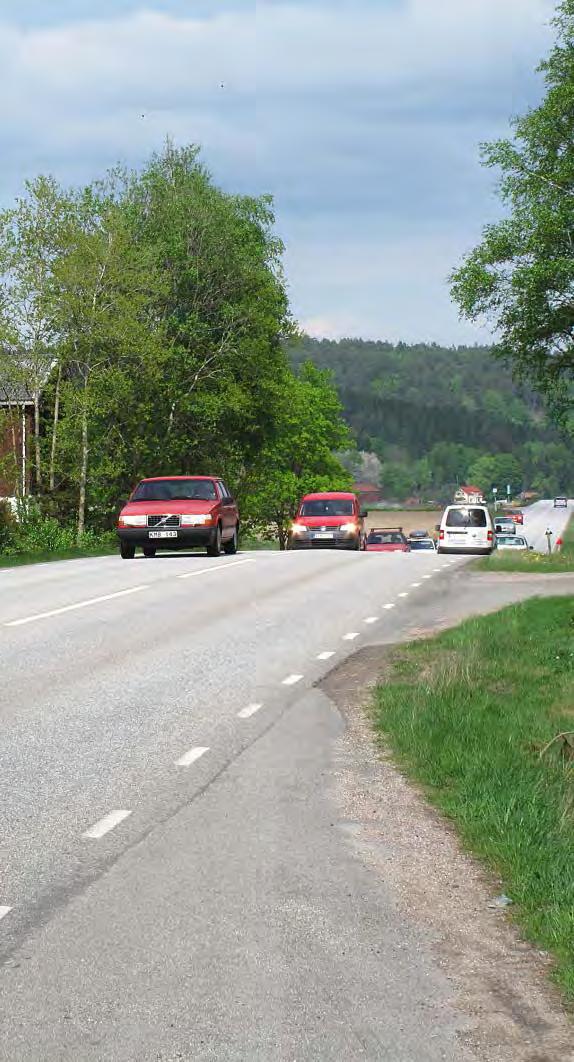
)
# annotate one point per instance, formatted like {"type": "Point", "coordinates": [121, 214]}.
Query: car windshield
{"type": "Point", "coordinates": [421, 545]}
{"type": "Point", "coordinates": [327, 507]}
{"type": "Point", "coordinates": [466, 518]}
{"type": "Point", "coordinates": [385, 538]}
{"type": "Point", "coordinates": [175, 490]}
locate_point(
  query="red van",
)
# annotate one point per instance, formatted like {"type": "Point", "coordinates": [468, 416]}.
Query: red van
{"type": "Point", "coordinates": [331, 519]}
{"type": "Point", "coordinates": [179, 512]}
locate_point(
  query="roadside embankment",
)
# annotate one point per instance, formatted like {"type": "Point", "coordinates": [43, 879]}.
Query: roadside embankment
{"type": "Point", "coordinates": [560, 560]}
{"type": "Point", "coordinates": [483, 717]}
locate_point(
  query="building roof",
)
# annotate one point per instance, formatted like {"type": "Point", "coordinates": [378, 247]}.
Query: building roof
{"type": "Point", "coordinates": [14, 394]}
{"type": "Point", "coordinates": [471, 490]}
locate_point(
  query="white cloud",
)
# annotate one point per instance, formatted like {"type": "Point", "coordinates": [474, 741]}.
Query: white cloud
{"type": "Point", "coordinates": [361, 117]}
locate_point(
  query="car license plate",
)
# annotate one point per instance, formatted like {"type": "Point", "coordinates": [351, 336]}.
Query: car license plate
{"type": "Point", "coordinates": [323, 534]}
{"type": "Point", "coordinates": [163, 534]}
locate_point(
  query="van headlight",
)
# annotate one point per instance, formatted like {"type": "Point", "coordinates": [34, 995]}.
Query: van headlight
{"type": "Point", "coordinates": [298, 529]}
{"type": "Point", "coordinates": [352, 528]}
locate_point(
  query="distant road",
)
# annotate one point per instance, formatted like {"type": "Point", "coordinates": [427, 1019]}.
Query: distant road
{"type": "Point", "coordinates": [541, 516]}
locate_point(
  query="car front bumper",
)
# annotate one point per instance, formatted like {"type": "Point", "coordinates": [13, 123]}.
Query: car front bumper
{"type": "Point", "coordinates": [186, 538]}
{"type": "Point", "coordinates": [338, 540]}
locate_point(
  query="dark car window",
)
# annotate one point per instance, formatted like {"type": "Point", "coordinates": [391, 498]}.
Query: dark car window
{"type": "Point", "coordinates": [385, 539]}
{"type": "Point", "coordinates": [417, 544]}
{"type": "Point", "coordinates": [224, 490]}
{"type": "Point", "coordinates": [175, 490]}
{"type": "Point", "coordinates": [466, 518]}
{"type": "Point", "coordinates": [327, 507]}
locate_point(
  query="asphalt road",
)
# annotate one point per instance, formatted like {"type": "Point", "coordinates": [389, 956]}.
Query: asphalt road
{"type": "Point", "coordinates": [174, 883]}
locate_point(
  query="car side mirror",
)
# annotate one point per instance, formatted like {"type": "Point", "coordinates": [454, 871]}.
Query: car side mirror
{"type": "Point", "coordinates": [531, 547]}
{"type": "Point", "coordinates": [364, 513]}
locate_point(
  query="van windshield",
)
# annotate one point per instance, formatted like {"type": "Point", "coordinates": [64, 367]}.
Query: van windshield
{"type": "Point", "coordinates": [327, 507]}
{"type": "Point", "coordinates": [466, 518]}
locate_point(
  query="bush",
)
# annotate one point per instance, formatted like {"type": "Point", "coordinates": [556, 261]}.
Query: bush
{"type": "Point", "coordinates": [36, 533]}
{"type": "Point", "coordinates": [8, 526]}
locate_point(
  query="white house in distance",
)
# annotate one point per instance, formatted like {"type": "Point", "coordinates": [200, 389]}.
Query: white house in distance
{"type": "Point", "coordinates": [469, 496]}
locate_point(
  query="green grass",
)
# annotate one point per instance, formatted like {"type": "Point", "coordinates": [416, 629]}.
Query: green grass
{"type": "Point", "coordinates": [530, 561]}
{"type": "Point", "coordinates": [467, 715]}
{"type": "Point", "coordinates": [13, 560]}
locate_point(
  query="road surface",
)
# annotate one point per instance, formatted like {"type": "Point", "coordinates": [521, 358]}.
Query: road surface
{"type": "Point", "coordinates": [174, 883]}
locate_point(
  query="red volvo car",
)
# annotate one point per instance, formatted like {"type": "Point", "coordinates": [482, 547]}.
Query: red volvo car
{"type": "Point", "coordinates": [179, 512]}
{"type": "Point", "coordinates": [333, 519]}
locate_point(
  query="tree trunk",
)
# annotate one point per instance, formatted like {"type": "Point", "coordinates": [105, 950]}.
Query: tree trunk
{"type": "Point", "coordinates": [37, 454]}
{"type": "Point", "coordinates": [52, 480]}
{"type": "Point", "coordinates": [83, 472]}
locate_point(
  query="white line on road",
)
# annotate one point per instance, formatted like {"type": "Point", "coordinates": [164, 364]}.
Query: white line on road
{"type": "Point", "coordinates": [191, 756]}
{"type": "Point", "coordinates": [79, 604]}
{"type": "Point", "coordinates": [326, 655]}
{"type": "Point", "coordinates": [437, 569]}
{"type": "Point", "coordinates": [4, 911]}
{"type": "Point", "coordinates": [350, 637]}
{"type": "Point", "coordinates": [371, 619]}
{"type": "Point", "coordinates": [291, 680]}
{"type": "Point", "coordinates": [404, 594]}
{"type": "Point", "coordinates": [106, 824]}
{"type": "Point", "coordinates": [427, 576]}
{"type": "Point", "coordinates": [389, 606]}
{"type": "Point", "coordinates": [415, 584]}
{"type": "Point", "coordinates": [248, 711]}
{"type": "Point", "coordinates": [219, 568]}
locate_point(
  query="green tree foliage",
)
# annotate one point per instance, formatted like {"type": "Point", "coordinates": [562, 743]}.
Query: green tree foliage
{"type": "Point", "coordinates": [497, 470]}
{"type": "Point", "coordinates": [446, 408]}
{"type": "Point", "coordinates": [299, 458]}
{"type": "Point", "coordinates": [521, 277]}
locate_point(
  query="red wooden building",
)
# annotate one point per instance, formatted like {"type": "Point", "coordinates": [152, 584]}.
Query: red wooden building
{"type": "Point", "coordinates": [16, 426]}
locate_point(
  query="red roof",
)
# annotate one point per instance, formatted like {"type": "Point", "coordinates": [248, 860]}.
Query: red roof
{"type": "Point", "coordinates": [366, 488]}
{"type": "Point", "coordinates": [471, 490]}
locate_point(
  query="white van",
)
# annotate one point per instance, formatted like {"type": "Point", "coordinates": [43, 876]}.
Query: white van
{"type": "Point", "coordinates": [466, 529]}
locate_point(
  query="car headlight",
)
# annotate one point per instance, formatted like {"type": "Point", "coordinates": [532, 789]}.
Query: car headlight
{"type": "Point", "coordinates": [298, 529]}
{"type": "Point", "coordinates": [132, 521]}
{"type": "Point", "coordinates": [349, 527]}
{"type": "Point", "coordinates": [193, 519]}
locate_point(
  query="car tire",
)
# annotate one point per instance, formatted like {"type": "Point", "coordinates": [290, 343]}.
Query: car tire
{"type": "Point", "coordinates": [127, 551]}
{"type": "Point", "coordinates": [231, 547]}
{"type": "Point", "coordinates": [214, 547]}
{"type": "Point", "coordinates": [149, 551]}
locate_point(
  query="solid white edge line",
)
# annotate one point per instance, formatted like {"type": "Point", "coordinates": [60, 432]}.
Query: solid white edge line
{"type": "Point", "coordinates": [291, 680]}
{"type": "Point", "coordinates": [248, 711]}
{"type": "Point", "coordinates": [191, 756]}
{"type": "Point", "coordinates": [103, 826]}
{"type": "Point", "coordinates": [326, 655]}
{"type": "Point", "coordinates": [78, 604]}
{"type": "Point", "coordinates": [350, 636]}
{"type": "Point", "coordinates": [219, 568]}
{"type": "Point", "coordinates": [371, 619]}
{"type": "Point", "coordinates": [4, 911]}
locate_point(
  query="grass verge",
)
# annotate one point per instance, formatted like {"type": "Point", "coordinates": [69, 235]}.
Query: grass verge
{"type": "Point", "coordinates": [468, 714]}
{"type": "Point", "coordinates": [14, 560]}
{"type": "Point", "coordinates": [532, 562]}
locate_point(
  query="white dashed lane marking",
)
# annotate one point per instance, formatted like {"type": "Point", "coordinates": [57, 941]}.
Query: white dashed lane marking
{"type": "Point", "coordinates": [212, 571]}
{"type": "Point", "coordinates": [371, 619]}
{"type": "Point", "coordinates": [109, 822]}
{"type": "Point", "coordinates": [78, 604]}
{"type": "Point", "coordinates": [191, 756]}
{"type": "Point", "coordinates": [415, 585]}
{"type": "Point", "coordinates": [326, 655]}
{"type": "Point", "coordinates": [350, 637]}
{"type": "Point", "coordinates": [405, 594]}
{"type": "Point", "coordinates": [4, 911]}
{"type": "Point", "coordinates": [248, 711]}
{"type": "Point", "coordinates": [291, 680]}
{"type": "Point", "coordinates": [389, 606]}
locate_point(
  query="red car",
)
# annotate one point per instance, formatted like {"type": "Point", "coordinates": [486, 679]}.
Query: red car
{"type": "Point", "coordinates": [179, 512]}
{"type": "Point", "coordinates": [387, 540]}
{"type": "Point", "coordinates": [333, 519]}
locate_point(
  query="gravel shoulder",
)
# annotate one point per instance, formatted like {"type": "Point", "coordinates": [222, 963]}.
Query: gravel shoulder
{"type": "Point", "coordinates": [500, 982]}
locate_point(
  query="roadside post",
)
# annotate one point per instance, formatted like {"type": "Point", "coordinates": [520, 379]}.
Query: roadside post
{"type": "Point", "coordinates": [549, 534]}
{"type": "Point", "coordinates": [495, 492]}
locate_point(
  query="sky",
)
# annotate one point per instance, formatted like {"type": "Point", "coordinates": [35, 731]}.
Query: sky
{"type": "Point", "coordinates": [362, 118]}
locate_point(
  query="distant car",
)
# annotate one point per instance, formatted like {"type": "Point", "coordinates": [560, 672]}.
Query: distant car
{"type": "Point", "coordinates": [466, 529]}
{"type": "Point", "coordinates": [332, 519]}
{"type": "Point", "coordinates": [561, 503]}
{"type": "Point", "coordinates": [512, 542]}
{"type": "Point", "coordinates": [387, 540]}
{"type": "Point", "coordinates": [422, 544]}
{"type": "Point", "coordinates": [418, 534]}
{"type": "Point", "coordinates": [517, 515]}
{"type": "Point", "coordinates": [179, 512]}
{"type": "Point", "coordinates": [504, 525]}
